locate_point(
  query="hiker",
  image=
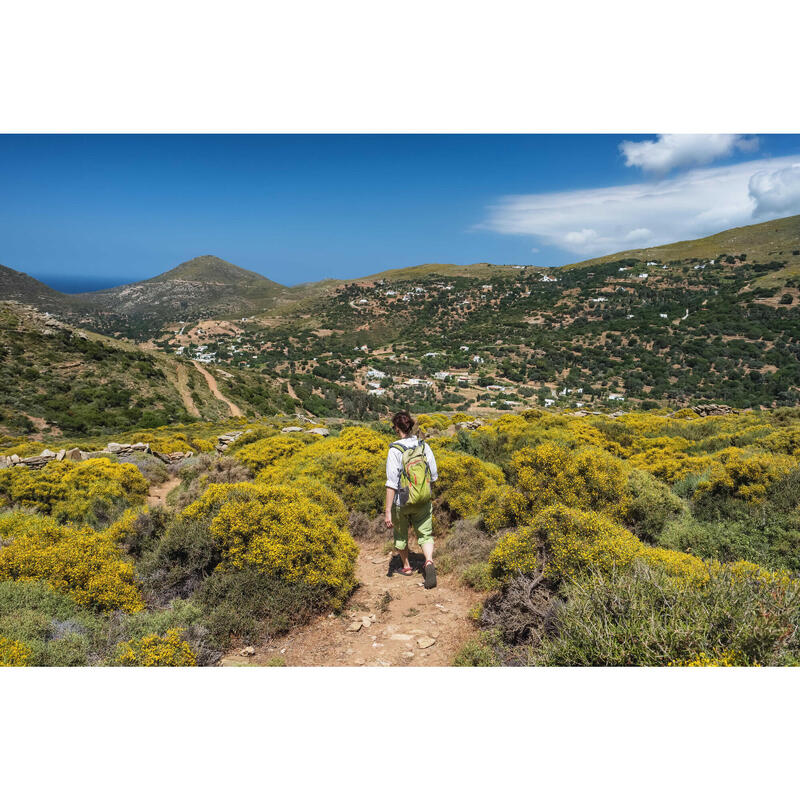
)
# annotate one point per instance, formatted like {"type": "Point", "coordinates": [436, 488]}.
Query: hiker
{"type": "Point", "coordinates": [410, 470]}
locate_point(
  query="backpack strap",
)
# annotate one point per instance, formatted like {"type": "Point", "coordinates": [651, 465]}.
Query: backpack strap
{"type": "Point", "coordinates": [398, 446]}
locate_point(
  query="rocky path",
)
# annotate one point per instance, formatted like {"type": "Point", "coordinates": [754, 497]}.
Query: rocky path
{"type": "Point", "coordinates": [212, 385]}
{"type": "Point", "coordinates": [389, 621]}
{"type": "Point", "coordinates": [157, 496]}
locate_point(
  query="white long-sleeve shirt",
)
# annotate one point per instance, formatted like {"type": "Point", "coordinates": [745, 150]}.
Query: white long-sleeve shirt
{"type": "Point", "coordinates": [394, 464]}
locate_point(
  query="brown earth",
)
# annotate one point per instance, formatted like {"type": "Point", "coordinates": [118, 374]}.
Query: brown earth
{"type": "Point", "coordinates": [183, 389]}
{"type": "Point", "coordinates": [157, 494]}
{"type": "Point", "coordinates": [212, 385]}
{"type": "Point", "coordinates": [392, 630]}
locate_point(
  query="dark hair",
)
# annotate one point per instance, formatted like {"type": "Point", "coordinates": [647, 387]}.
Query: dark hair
{"type": "Point", "coordinates": [403, 421]}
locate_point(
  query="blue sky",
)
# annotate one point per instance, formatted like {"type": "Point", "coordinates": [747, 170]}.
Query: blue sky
{"type": "Point", "coordinates": [112, 208]}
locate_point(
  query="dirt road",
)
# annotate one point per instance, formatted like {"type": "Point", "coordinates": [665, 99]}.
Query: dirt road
{"type": "Point", "coordinates": [398, 619]}
{"type": "Point", "coordinates": [212, 385]}
{"type": "Point", "coordinates": [183, 388]}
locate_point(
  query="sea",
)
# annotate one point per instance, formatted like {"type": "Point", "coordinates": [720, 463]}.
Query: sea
{"type": "Point", "coordinates": [76, 284]}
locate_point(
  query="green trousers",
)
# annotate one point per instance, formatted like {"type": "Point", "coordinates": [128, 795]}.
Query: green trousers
{"type": "Point", "coordinates": [419, 517]}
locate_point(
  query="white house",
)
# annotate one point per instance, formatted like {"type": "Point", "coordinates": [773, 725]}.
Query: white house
{"type": "Point", "coordinates": [598, 299]}
{"type": "Point", "coordinates": [375, 373]}
{"type": "Point", "coordinates": [390, 293]}
{"type": "Point", "coordinates": [642, 274]}
{"type": "Point", "coordinates": [441, 376]}
{"type": "Point", "coordinates": [464, 348]}
{"type": "Point", "coordinates": [548, 401]}
{"type": "Point", "coordinates": [377, 391]}
{"type": "Point", "coordinates": [374, 384]}
{"type": "Point", "coordinates": [651, 263]}
{"type": "Point", "coordinates": [614, 396]}
{"type": "Point", "coordinates": [417, 382]}
{"type": "Point", "coordinates": [477, 359]}
{"type": "Point", "coordinates": [363, 301]}
{"type": "Point", "coordinates": [430, 355]}
{"type": "Point", "coordinates": [547, 279]}
{"type": "Point", "coordinates": [663, 316]}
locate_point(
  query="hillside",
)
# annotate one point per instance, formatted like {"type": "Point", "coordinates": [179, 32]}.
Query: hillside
{"type": "Point", "coordinates": [57, 378]}
{"type": "Point", "coordinates": [773, 241]}
{"type": "Point", "coordinates": [202, 287]}
{"type": "Point", "coordinates": [23, 288]}
{"type": "Point", "coordinates": [710, 320]}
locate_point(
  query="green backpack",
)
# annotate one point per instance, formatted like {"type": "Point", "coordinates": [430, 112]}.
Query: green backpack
{"type": "Point", "coordinates": [415, 475]}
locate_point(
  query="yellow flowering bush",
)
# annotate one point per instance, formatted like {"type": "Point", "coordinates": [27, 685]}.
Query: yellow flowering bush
{"type": "Point", "coordinates": [13, 653]}
{"type": "Point", "coordinates": [281, 532]}
{"type": "Point", "coordinates": [169, 650]}
{"type": "Point", "coordinates": [736, 474]}
{"type": "Point", "coordinates": [351, 464]}
{"type": "Point", "coordinates": [319, 493]}
{"type": "Point", "coordinates": [427, 422]}
{"type": "Point", "coordinates": [515, 552]}
{"type": "Point", "coordinates": [463, 481]}
{"type": "Point", "coordinates": [266, 452]}
{"type": "Point", "coordinates": [578, 542]}
{"type": "Point", "coordinates": [669, 464]}
{"type": "Point", "coordinates": [725, 659]}
{"type": "Point", "coordinates": [81, 562]}
{"type": "Point", "coordinates": [92, 491]}
{"type": "Point", "coordinates": [549, 473]}
{"type": "Point", "coordinates": [495, 506]}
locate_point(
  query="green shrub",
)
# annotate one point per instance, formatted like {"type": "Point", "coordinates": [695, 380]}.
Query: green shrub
{"type": "Point", "coordinates": [651, 506]}
{"type": "Point", "coordinates": [644, 617]}
{"type": "Point", "coordinates": [182, 559]}
{"type": "Point", "coordinates": [477, 652]}
{"type": "Point", "coordinates": [248, 604]}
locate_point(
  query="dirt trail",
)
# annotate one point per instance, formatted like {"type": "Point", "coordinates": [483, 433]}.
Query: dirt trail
{"type": "Point", "coordinates": [391, 633]}
{"type": "Point", "coordinates": [157, 495]}
{"type": "Point", "coordinates": [183, 388]}
{"type": "Point", "coordinates": [212, 384]}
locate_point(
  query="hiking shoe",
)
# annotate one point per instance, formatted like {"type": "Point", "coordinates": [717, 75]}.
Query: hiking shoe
{"type": "Point", "coordinates": [430, 575]}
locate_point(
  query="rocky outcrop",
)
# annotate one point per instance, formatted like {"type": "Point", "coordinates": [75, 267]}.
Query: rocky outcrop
{"type": "Point", "coordinates": [76, 454]}
{"type": "Point", "coordinates": [713, 409]}
{"type": "Point", "coordinates": [225, 440]}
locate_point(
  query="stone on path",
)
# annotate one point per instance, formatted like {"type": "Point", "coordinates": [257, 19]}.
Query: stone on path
{"type": "Point", "coordinates": [401, 637]}
{"type": "Point", "coordinates": [355, 626]}
{"type": "Point", "coordinates": [425, 641]}
{"type": "Point", "coordinates": [248, 651]}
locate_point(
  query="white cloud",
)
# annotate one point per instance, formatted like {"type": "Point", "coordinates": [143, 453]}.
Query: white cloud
{"type": "Point", "coordinates": [697, 203]}
{"type": "Point", "coordinates": [776, 192]}
{"type": "Point", "coordinates": [674, 150]}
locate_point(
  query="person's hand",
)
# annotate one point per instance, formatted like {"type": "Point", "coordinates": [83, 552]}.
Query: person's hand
{"type": "Point", "coordinates": [388, 519]}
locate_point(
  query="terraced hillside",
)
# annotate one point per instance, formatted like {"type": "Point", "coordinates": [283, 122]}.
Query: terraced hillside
{"type": "Point", "coordinates": [56, 378]}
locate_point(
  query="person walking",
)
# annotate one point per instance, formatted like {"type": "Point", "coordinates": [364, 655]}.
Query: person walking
{"type": "Point", "coordinates": [410, 471]}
